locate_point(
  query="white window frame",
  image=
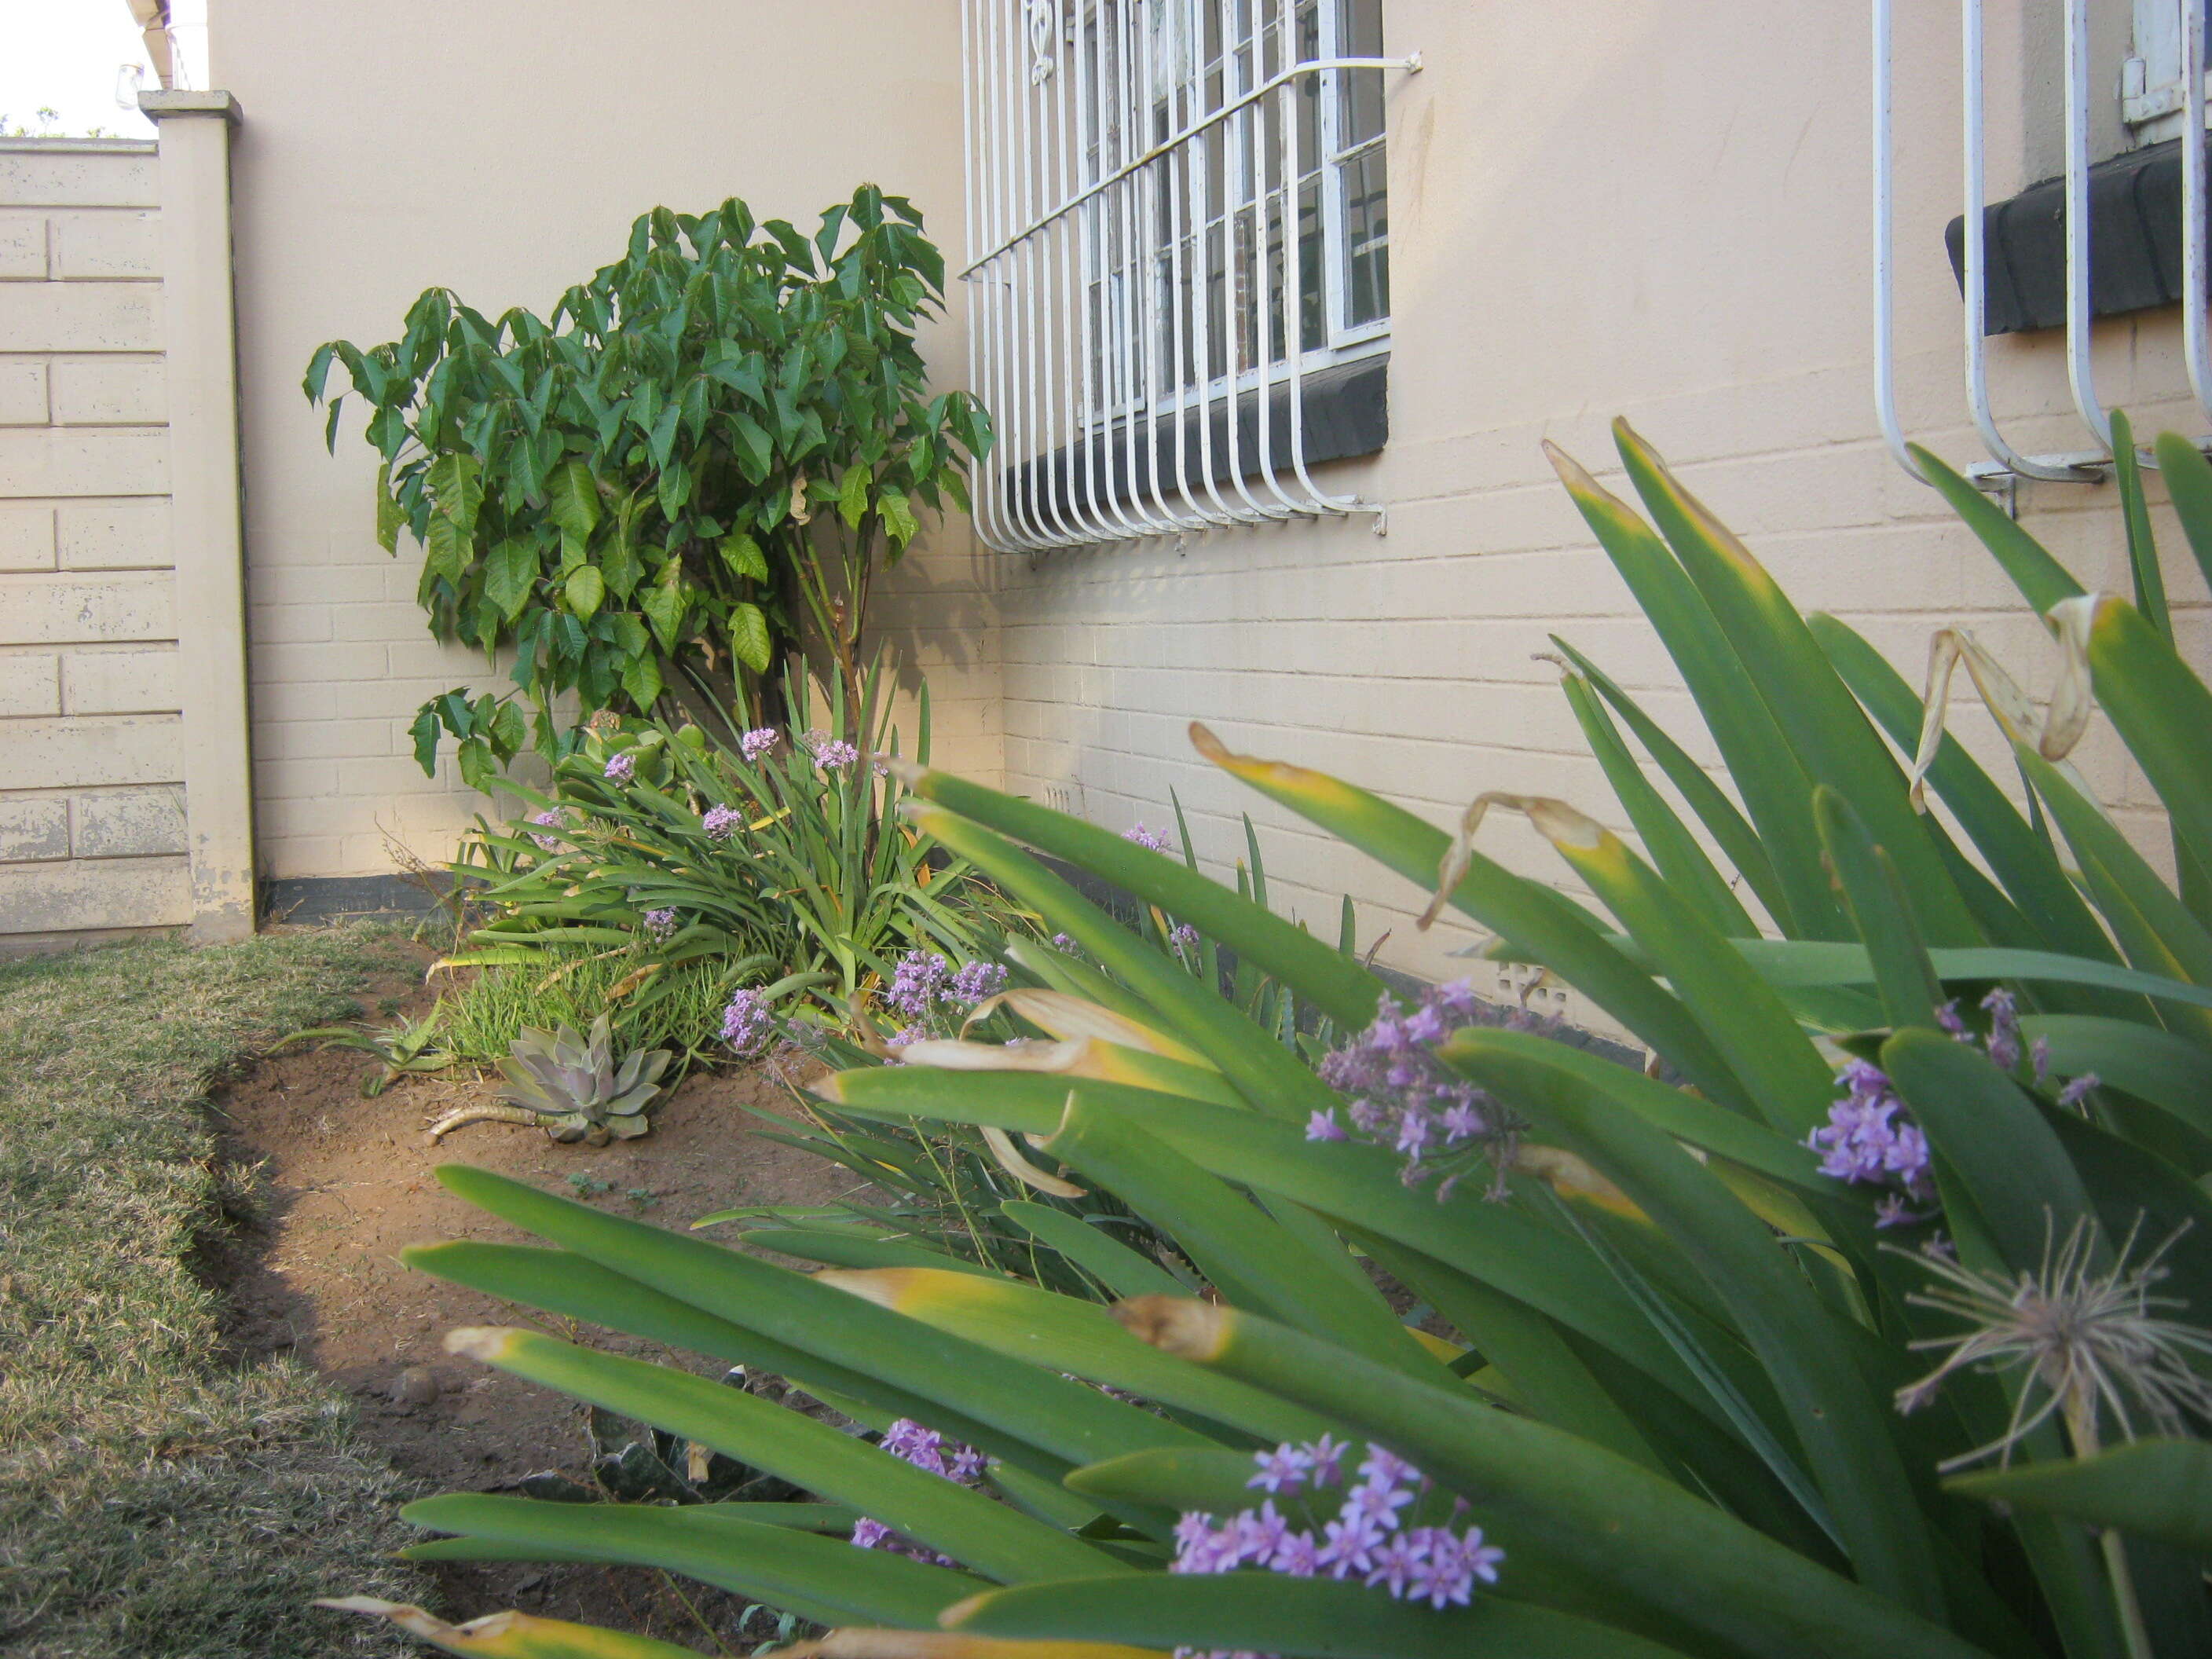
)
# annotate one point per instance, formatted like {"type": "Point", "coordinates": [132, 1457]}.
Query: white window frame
{"type": "Point", "coordinates": [1089, 342]}
{"type": "Point", "coordinates": [2151, 94]}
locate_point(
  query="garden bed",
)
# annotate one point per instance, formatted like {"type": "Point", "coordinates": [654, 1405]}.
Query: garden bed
{"type": "Point", "coordinates": [342, 1184]}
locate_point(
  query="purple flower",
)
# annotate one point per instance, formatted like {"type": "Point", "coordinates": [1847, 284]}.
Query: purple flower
{"type": "Point", "coordinates": [2039, 1055]}
{"type": "Point", "coordinates": [1395, 1562]}
{"type": "Point", "coordinates": [1184, 938]}
{"type": "Point", "coordinates": [619, 769]}
{"type": "Point", "coordinates": [870, 1535]}
{"type": "Point", "coordinates": [1065, 942]}
{"type": "Point", "coordinates": [1384, 1468]}
{"type": "Point", "coordinates": [1377, 1503]}
{"type": "Point", "coordinates": [746, 1023]}
{"type": "Point", "coordinates": [2004, 1028]}
{"type": "Point", "coordinates": [918, 983]}
{"type": "Point", "coordinates": [1323, 1126]}
{"type": "Point", "coordinates": [835, 755]}
{"type": "Point", "coordinates": [1260, 1533]}
{"type": "Point", "coordinates": [1146, 839]}
{"type": "Point", "coordinates": [1347, 1545]}
{"type": "Point", "coordinates": [925, 1449]}
{"type": "Point", "coordinates": [1297, 1557]}
{"type": "Point", "coordinates": [661, 923]}
{"type": "Point", "coordinates": [548, 842]}
{"type": "Point", "coordinates": [1868, 1137]}
{"type": "Point", "coordinates": [721, 822]}
{"type": "Point", "coordinates": [1283, 1470]}
{"type": "Point", "coordinates": [1325, 1457]}
{"type": "Point", "coordinates": [757, 743]}
{"type": "Point", "coordinates": [2075, 1092]}
{"type": "Point", "coordinates": [975, 982]}
{"type": "Point", "coordinates": [1947, 1017]}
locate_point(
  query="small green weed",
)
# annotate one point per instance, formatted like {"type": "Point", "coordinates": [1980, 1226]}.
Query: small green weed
{"type": "Point", "coordinates": [679, 1007]}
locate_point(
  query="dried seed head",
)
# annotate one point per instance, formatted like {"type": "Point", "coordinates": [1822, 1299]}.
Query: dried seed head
{"type": "Point", "coordinates": [2087, 1342]}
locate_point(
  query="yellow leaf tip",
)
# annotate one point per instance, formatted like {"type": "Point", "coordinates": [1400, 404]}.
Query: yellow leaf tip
{"type": "Point", "coordinates": [487, 1343]}
{"type": "Point", "coordinates": [1176, 1325]}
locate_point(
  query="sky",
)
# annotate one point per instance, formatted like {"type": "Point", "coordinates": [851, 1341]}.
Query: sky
{"type": "Point", "coordinates": [64, 55]}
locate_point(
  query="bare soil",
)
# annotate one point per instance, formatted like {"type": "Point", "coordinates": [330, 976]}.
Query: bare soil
{"type": "Point", "coordinates": [341, 1184]}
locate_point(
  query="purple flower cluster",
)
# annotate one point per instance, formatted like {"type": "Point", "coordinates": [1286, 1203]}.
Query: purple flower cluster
{"type": "Point", "coordinates": [721, 822]}
{"type": "Point", "coordinates": [757, 743]}
{"type": "Point", "coordinates": [661, 923]}
{"type": "Point", "coordinates": [1869, 1138]}
{"type": "Point", "coordinates": [746, 1023]}
{"type": "Point", "coordinates": [924, 986]}
{"type": "Point", "coordinates": [1402, 1097]}
{"type": "Point", "coordinates": [1370, 1539]}
{"type": "Point", "coordinates": [2003, 1043]}
{"type": "Point", "coordinates": [1184, 939]}
{"type": "Point", "coordinates": [925, 1449]}
{"type": "Point", "coordinates": [547, 842]}
{"type": "Point", "coordinates": [1066, 942]}
{"type": "Point", "coordinates": [1145, 838]}
{"type": "Point", "coordinates": [620, 768]}
{"type": "Point", "coordinates": [835, 755]}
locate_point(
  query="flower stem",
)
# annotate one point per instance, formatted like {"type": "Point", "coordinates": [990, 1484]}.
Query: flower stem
{"type": "Point", "coordinates": [2082, 1431]}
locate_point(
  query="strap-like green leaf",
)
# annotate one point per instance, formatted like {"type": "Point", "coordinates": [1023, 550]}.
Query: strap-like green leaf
{"type": "Point", "coordinates": [2159, 1489]}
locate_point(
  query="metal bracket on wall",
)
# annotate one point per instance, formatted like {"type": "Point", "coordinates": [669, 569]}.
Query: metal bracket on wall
{"type": "Point", "coordinates": [2006, 465]}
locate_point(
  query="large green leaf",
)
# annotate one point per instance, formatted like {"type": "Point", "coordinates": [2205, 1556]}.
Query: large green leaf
{"type": "Point", "coordinates": [1256, 1261]}
{"type": "Point", "coordinates": [1335, 983]}
{"type": "Point", "coordinates": [825, 1579]}
{"type": "Point", "coordinates": [1771, 777]}
{"type": "Point", "coordinates": [1080, 1337]}
{"type": "Point", "coordinates": [1041, 1420]}
{"type": "Point", "coordinates": [1669, 842]}
{"type": "Point", "coordinates": [2160, 1489]}
{"type": "Point", "coordinates": [1112, 1263]}
{"type": "Point", "coordinates": [810, 1454]}
{"type": "Point", "coordinates": [1821, 720]}
{"type": "Point", "coordinates": [1532, 915]}
{"type": "Point", "coordinates": [1321, 1617]}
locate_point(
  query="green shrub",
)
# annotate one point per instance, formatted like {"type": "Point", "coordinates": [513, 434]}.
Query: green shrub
{"type": "Point", "coordinates": [719, 438]}
{"type": "Point", "coordinates": [1679, 1403]}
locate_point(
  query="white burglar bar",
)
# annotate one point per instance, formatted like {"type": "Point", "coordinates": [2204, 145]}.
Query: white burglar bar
{"type": "Point", "coordinates": [2006, 463]}
{"type": "Point", "coordinates": [1173, 220]}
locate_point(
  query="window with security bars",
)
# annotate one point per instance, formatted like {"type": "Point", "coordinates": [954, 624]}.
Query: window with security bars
{"type": "Point", "coordinates": [1178, 218]}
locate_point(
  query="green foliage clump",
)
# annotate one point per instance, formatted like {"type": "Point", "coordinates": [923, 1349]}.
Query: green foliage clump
{"type": "Point", "coordinates": [1718, 1380]}
{"type": "Point", "coordinates": [719, 438]}
{"type": "Point", "coordinates": [781, 856]}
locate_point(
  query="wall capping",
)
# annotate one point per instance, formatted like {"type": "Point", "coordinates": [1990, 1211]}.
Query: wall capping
{"type": "Point", "coordinates": [159, 105]}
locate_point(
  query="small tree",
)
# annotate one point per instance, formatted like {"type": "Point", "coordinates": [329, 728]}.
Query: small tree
{"type": "Point", "coordinates": [717, 443]}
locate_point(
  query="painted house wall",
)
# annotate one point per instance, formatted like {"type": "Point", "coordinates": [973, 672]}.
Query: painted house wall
{"type": "Point", "coordinates": [1650, 207]}
{"type": "Point", "coordinates": [1647, 207]}
{"type": "Point", "coordinates": [92, 821]}
{"type": "Point", "coordinates": [502, 149]}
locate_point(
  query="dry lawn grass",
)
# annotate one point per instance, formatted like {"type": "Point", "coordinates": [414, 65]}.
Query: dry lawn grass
{"type": "Point", "coordinates": [157, 1496]}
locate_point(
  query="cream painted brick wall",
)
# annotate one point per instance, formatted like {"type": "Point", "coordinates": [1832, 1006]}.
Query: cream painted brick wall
{"type": "Point", "coordinates": [30, 684]}
{"type": "Point", "coordinates": [109, 392]}
{"type": "Point", "coordinates": [118, 681]}
{"type": "Point", "coordinates": [22, 392]}
{"type": "Point", "coordinates": [122, 535]}
{"type": "Point", "coordinates": [91, 811]}
{"type": "Point", "coordinates": [27, 536]}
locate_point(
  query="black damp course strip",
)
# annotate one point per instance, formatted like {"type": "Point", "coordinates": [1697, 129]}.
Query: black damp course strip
{"type": "Point", "coordinates": [1346, 413]}
{"type": "Point", "coordinates": [2135, 243]}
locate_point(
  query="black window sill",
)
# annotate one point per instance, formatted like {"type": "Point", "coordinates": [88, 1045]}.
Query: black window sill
{"type": "Point", "coordinates": [1346, 413]}
{"type": "Point", "coordinates": [2134, 243]}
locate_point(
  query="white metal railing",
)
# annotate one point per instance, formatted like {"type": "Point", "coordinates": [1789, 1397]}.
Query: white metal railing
{"type": "Point", "coordinates": [2007, 464]}
{"type": "Point", "coordinates": [1140, 323]}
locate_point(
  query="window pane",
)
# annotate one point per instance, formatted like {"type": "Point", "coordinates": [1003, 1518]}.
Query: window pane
{"type": "Point", "coordinates": [1367, 239]}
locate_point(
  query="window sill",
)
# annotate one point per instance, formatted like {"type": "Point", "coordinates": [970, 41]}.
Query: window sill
{"type": "Point", "coordinates": [2135, 237]}
{"type": "Point", "coordinates": [1346, 409]}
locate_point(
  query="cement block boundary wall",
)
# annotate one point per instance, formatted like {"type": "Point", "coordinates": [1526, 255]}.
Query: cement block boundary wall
{"type": "Point", "coordinates": [92, 796]}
